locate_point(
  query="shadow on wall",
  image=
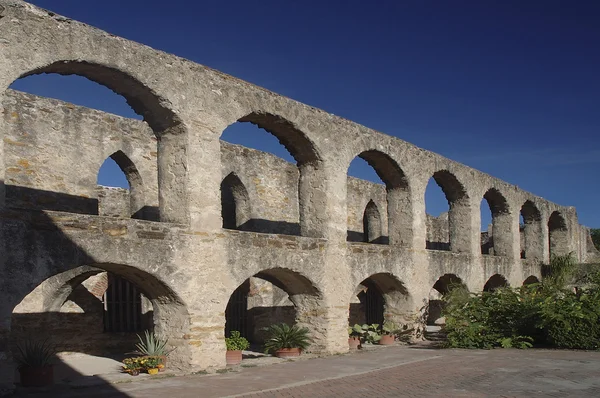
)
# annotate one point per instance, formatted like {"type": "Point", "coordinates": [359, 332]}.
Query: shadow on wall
{"type": "Point", "coordinates": [38, 250]}
{"type": "Point", "coordinates": [37, 199]}
{"type": "Point", "coordinates": [270, 227]}
{"type": "Point", "coordinates": [437, 245]}
{"type": "Point", "coordinates": [356, 236]}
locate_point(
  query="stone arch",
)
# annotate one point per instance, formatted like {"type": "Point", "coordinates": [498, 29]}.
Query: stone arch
{"type": "Point", "coordinates": [441, 287]}
{"type": "Point", "coordinates": [311, 184]}
{"type": "Point", "coordinates": [558, 234]}
{"type": "Point", "coordinates": [372, 228]}
{"type": "Point", "coordinates": [459, 213]}
{"type": "Point", "coordinates": [303, 295]}
{"type": "Point", "coordinates": [399, 203]}
{"type": "Point", "coordinates": [501, 238]}
{"type": "Point", "coordinates": [235, 203]}
{"type": "Point", "coordinates": [531, 280]}
{"type": "Point", "coordinates": [532, 244]}
{"type": "Point", "coordinates": [42, 307]}
{"type": "Point", "coordinates": [137, 199]}
{"type": "Point", "coordinates": [496, 281]}
{"type": "Point", "coordinates": [381, 297]}
{"type": "Point", "coordinates": [167, 126]}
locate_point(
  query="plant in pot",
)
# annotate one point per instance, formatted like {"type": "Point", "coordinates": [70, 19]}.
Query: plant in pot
{"type": "Point", "coordinates": [286, 341]}
{"type": "Point", "coordinates": [151, 364]}
{"type": "Point", "coordinates": [389, 333]}
{"type": "Point", "coordinates": [235, 345]}
{"type": "Point", "coordinates": [354, 335]}
{"type": "Point", "coordinates": [34, 360]}
{"type": "Point", "coordinates": [132, 366]}
{"type": "Point", "coordinates": [371, 333]}
{"type": "Point", "coordinates": [152, 346]}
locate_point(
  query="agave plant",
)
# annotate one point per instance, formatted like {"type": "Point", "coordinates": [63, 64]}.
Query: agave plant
{"type": "Point", "coordinates": [34, 354]}
{"type": "Point", "coordinates": [286, 336]}
{"type": "Point", "coordinates": [151, 345]}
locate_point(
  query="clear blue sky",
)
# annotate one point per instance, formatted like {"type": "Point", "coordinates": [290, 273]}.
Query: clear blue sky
{"type": "Point", "coordinates": [511, 88]}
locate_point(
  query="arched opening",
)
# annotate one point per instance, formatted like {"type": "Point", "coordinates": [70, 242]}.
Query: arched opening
{"type": "Point", "coordinates": [276, 295]}
{"type": "Point", "coordinates": [372, 228]}
{"type": "Point", "coordinates": [444, 285]}
{"type": "Point", "coordinates": [495, 282]}
{"type": "Point", "coordinates": [530, 229]}
{"type": "Point", "coordinates": [498, 241]}
{"type": "Point", "coordinates": [97, 311]}
{"type": "Point", "coordinates": [120, 190]}
{"type": "Point", "coordinates": [558, 235]}
{"type": "Point", "coordinates": [285, 202]}
{"type": "Point", "coordinates": [458, 218]}
{"type": "Point", "coordinates": [531, 280]}
{"type": "Point", "coordinates": [395, 194]}
{"type": "Point", "coordinates": [379, 298]}
{"type": "Point", "coordinates": [437, 209]}
{"type": "Point", "coordinates": [235, 204]}
{"type": "Point", "coordinates": [163, 137]}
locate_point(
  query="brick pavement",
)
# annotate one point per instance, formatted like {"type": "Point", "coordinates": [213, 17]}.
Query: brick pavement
{"type": "Point", "coordinates": [387, 372]}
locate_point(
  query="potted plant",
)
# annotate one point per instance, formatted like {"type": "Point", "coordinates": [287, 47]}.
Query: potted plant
{"type": "Point", "coordinates": [286, 341]}
{"type": "Point", "coordinates": [151, 346]}
{"type": "Point", "coordinates": [371, 333]}
{"type": "Point", "coordinates": [132, 366]}
{"type": "Point", "coordinates": [235, 345]}
{"type": "Point", "coordinates": [151, 364]}
{"type": "Point", "coordinates": [354, 334]}
{"type": "Point", "coordinates": [34, 360]}
{"type": "Point", "coordinates": [389, 333]}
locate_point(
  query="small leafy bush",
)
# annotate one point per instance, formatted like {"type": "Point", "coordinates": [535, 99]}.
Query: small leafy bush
{"type": "Point", "coordinates": [236, 342]}
{"type": "Point", "coordinates": [285, 336]}
{"type": "Point", "coordinates": [34, 354]}
{"type": "Point", "coordinates": [150, 345]}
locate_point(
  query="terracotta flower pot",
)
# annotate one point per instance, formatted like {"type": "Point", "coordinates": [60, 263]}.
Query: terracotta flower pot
{"type": "Point", "coordinates": [37, 377]}
{"type": "Point", "coordinates": [134, 372]}
{"type": "Point", "coordinates": [287, 353]}
{"type": "Point", "coordinates": [353, 342]}
{"type": "Point", "coordinates": [387, 339]}
{"type": "Point", "coordinates": [233, 357]}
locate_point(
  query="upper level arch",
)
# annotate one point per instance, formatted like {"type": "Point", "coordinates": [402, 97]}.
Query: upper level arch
{"type": "Point", "coordinates": [558, 234]}
{"type": "Point", "coordinates": [459, 212]}
{"type": "Point", "coordinates": [531, 236]}
{"type": "Point", "coordinates": [235, 203]}
{"type": "Point", "coordinates": [501, 239]}
{"type": "Point", "coordinates": [398, 197]}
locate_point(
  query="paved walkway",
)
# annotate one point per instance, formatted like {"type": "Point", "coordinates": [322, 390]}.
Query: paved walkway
{"type": "Point", "coordinates": [384, 372]}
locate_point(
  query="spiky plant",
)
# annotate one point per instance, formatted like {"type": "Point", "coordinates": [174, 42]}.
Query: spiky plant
{"type": "Point", "coordinates": [285, 336]}
{"type": "Point", "coordinates": [34, 353]}
{"type": "Point", "coordinates": [151, 345]}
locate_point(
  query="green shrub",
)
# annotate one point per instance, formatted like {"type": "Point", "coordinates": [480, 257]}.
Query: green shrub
{"type": "Point", "coordinates": [541, 314]}
{"type": "Point", "coordinates": [285, 336]}
{"type": "Point", "coordinates": [34, 354]}
{"type": "Point", "coordinates": [236, 342]}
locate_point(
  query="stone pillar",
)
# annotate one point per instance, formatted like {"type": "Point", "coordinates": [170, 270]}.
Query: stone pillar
{"type": "Point", "coordinates": [534, 240]}
{"type": "Point", "coordinates": [204, 179]}
{"type": "Point", "coordinates": [173, 175]}
{"type": "Point", "coordinates": [205, 340]}
{"type": "Point", "coordinates": [464, 225]}
{"type": "Point", "coordinates": [314, 202]}
{"type": "Point", "coordinates": [400, 216]}
{"type": "Point", "coordinates": [505, 233]}
{"type": "Point", "coordinates": [327, 323]}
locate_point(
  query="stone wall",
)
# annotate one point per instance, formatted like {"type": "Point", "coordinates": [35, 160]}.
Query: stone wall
{"type": "Point", "coordinates": [299, 226]}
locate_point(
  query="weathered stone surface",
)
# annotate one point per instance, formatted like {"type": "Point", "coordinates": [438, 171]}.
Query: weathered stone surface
{"type": "Point", "coordinates": [307, 229]}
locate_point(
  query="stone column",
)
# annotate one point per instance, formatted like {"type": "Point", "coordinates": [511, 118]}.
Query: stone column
{"type": "Point", "coordinates": [534, 240]}
{"type": "Point", "coordinates": [505, 233]}
{"type": "Point", "coordinates": [464, 227]}
{"type": "Point", "coordinates": [173, 175]}
{"type": "Point", "coordinates": [400, 216]}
